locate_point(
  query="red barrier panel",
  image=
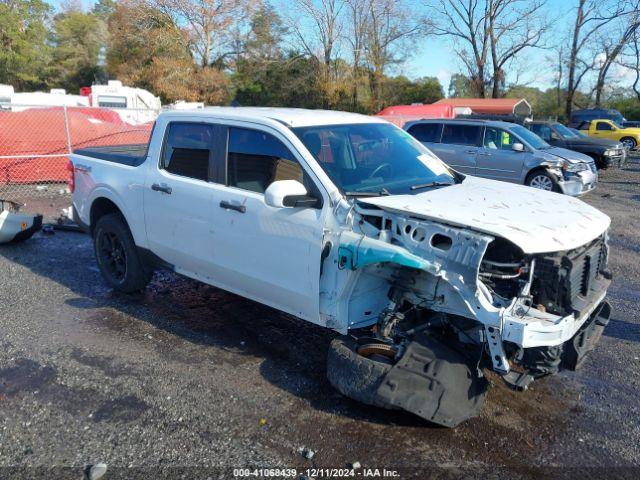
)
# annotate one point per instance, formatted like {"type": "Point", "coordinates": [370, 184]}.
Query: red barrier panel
{"type": "Point", "coordinates": [34, 143]}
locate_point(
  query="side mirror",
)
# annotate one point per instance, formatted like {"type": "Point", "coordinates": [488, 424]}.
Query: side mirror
{"type": "Point", "coordinates": [517, 147]}
{"type": "Point", "coordinates": [288, 193]}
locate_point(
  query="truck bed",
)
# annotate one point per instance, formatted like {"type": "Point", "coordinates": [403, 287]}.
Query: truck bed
{"type": "Point", "coordinates": [132, 155]}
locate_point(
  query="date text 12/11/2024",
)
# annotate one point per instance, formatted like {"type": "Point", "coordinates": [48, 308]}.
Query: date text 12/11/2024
{"type": "Point", "coordinates": [315, 473]}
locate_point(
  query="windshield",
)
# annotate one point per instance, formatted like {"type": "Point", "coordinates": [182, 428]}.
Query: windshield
{"type": "Point", "coordinates": [617, 125]}
{"type": "Point", "coordinates": [564, 132]}
{"type": "Point", "coordinates": [528, 136]}
{"type": "Point", "coordinates": [373, 158]}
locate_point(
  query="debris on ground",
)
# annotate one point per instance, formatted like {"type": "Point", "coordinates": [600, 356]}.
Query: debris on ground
{"type": "Point", "coordinates": [15, 226]}
{"type": "Point", "coordinates": [306, 452]}
{"type": "Point", "coordinates": [94, 472]}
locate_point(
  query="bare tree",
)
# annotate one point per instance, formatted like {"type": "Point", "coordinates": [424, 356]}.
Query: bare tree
{"type": "Point", "coordinates": [612, 42]}
{"type": "Point", "coordinates": [630, 60]}
{"type": "Point", "coordinates": [635, 55]}
{"type": "Point", "coordinates": [212, 25]}
{"type": "Point", "coordinates": [390, 23]}
{"type": "Point", "coordinates": [514, 25]}
{"type": "Point", "coordinates": [490, 34]}
{"type": "Point", "coordinates": [317, 26]}
{"type": "Point", "coordinates": [467, 22]}
{"type": "Point", "coordinates": [357, 13]}
{"type": "Point", "coordinates": [590, 17]}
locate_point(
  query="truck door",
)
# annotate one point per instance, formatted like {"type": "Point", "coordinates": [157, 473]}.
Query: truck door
{"type": "Point", "coordinates": [602, 130]}
{"type": "Point", "coordinates": [269, 254]}
{"type": "Point", "coordinates": [178, 197]}
{"type": "Point", "coordinates": [497, 159]}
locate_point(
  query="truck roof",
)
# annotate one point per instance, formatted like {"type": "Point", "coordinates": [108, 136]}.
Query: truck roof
{"type": "Point", "coordinates": [292, 117]}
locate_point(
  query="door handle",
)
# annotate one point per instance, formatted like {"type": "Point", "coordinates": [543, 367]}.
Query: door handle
{"type": "Point", "coordinates": [230, 206]}
{"type": "Point", "coordinates": [162, 187]}
{"type": "Point", "coordinates": [471, 151]}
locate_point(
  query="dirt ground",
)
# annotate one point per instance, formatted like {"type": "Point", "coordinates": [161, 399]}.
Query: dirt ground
{"type": "Point", "coordinates": [187, 380]}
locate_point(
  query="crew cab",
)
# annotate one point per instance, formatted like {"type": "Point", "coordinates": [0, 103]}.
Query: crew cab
{"type": "Point", "coordinates": [605, 153]}
{"type": "Point", "coordinates": [506, 151]}
{"type": "Point", "coordinates": [611, 130]}
{"type": "Point", "coordinates": [343, 220]}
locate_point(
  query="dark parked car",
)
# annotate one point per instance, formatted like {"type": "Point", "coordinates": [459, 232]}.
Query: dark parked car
{"type": "Point", "coordinates": [605, 153]}
{"type": "Point", "coordinates": [581, 117]}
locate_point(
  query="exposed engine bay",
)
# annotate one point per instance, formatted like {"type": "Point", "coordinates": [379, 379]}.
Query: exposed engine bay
{"type": "Point", "coordinates": [491, 305]}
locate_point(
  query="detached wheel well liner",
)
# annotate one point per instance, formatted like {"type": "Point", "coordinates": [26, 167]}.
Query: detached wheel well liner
{"type": "Point", "coordinates": [430, 380]}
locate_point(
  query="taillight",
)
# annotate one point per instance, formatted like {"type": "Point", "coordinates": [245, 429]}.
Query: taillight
{"type": "Point", "coordinates": [72, 178]}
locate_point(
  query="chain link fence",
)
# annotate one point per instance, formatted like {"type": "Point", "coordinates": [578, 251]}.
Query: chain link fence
{"type": "Point", "coordinates": [35, 143]}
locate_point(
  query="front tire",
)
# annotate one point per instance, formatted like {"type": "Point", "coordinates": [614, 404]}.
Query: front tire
{"type": "Point", "coordinates": [117, 255]}
{"type": "Point", "coordinates": [354, 375]}
{"type": "Point", "coordinates": [629, 142]}
{"type": "Point", "coordinates": [543, 181]}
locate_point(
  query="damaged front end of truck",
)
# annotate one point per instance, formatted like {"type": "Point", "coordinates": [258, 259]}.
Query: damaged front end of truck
{"type": "Point", "coordinates": [428, 306]}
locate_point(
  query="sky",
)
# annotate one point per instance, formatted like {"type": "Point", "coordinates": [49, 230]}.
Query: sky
{"type": "Point", "coordinates": [435, 57]}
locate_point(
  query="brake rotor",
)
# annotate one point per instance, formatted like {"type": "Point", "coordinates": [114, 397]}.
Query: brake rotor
{"type": "Point", "coordinates": [370, 349]}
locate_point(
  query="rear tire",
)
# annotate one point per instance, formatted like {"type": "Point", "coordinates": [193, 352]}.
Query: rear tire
{"type": "Point", "coordinates": [543, 180]}
{"type": "Point", "coordinates": [117, 255]}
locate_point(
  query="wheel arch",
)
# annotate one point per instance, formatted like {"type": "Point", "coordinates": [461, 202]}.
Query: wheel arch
{"type": "Point", "coordinates": [537, 169]}
{"type": "Point", "coordinates": [102, 206]}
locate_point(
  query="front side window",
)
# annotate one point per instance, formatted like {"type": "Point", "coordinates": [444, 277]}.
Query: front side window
{"type": "Point", "coordinates": [187, 149]}
{"type": "Point", "coordinates": [256, 159]}
{"type": "Point", "coordinates": [603, 126]}
{"type": "Point", "coordinates": [373, 158]}
{"type": "Point", "coordinates": [498, 139]}
{"type": "Point", "coordinates": [455, 134]}
{"type": "Point", "coordinates": [426, 132]}
{"type": "Point", "coordinates": [529, 137]}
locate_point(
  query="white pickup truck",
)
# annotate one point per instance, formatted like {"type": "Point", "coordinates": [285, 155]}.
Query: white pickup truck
{"type": "Point", "coordinates": [346, 221]}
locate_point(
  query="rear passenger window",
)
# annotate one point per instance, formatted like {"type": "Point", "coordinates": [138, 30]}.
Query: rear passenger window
{"type": "Point", "coordinates": [426, 132]}
{"type": "Point", "coordinates": [256, 159]}
{"type": "Point", "coordinates": [187, 149]}
{"type": "Point", "coordinates": [461, 134]}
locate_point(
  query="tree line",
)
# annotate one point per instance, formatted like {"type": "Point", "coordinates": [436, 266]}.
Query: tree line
{"type": "Point", "coordinates": [339, 54]}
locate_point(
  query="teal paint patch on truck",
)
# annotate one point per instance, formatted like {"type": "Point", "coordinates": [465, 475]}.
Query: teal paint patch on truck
{"type": "Point", "coordinates": [357, 251]}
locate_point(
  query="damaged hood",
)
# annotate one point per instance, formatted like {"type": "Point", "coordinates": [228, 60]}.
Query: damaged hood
{"type": "Point", "coordinates": [535, 220]}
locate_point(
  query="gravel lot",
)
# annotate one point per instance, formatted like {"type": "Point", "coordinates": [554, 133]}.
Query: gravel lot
{"type": "Point", "coordinates": [185, 379]}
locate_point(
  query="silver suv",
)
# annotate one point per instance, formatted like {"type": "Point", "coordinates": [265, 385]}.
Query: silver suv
{"type": "Point", "coordinates": [508, 152]}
